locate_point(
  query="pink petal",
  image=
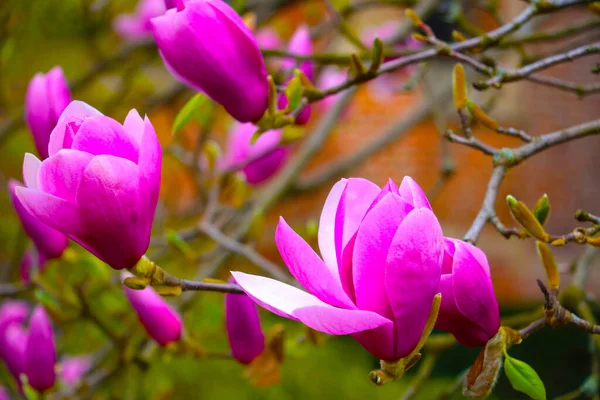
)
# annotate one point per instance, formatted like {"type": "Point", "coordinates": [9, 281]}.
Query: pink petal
{"type": "Point", "coordinates": [134, 125]}
{"type": "Point", "coordinates": [118, 226]}
{"type": "Point", "coordinates": [72, 117]}
{"type": "Point", "coordinates": [101, 135]}
{"type": "Point", "coordinates": [31, 166]}
{"type": "Point", "coordinates": [356, 199]}
{"type": "Point", "coordinates": [412, 275]}
{"type": "Point", "coordinates": [473, 290]}
{"type": "Point", "coordinates": [306, 266]}
{"type": "Point", "coordinates": [326, 235]}
{"type": "Point", "coordinates": [452, 321]}
{"type": "Point", "coordinates": [412, 193]}
{"type": "Point", "coordinates": [60, 174]}
{"type": "Point", "coordinates": [150, 165]}
{"type": "Point", "coordinates": [292, 303]}
{"type": "Point", "coordinates": [51, 210]}
{"type": "Point", "coordinates": [373, 241]}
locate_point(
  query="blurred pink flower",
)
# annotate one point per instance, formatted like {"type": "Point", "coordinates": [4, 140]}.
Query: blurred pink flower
{"type": "Point", "coordinates": [266, 154]}
{"type": "Point", "coordinates": [72, 369]}
{"type": "Point", "coordinates": [28, 351]}
{"type": "Point", "coordinates": [329, 77]}
{"type": "Point", "coordinates": [299, 44]}
{"type": "Point", "coordinates": [137, 25]}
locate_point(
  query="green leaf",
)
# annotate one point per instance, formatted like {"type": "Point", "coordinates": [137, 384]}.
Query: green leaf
{"type": "Point", "coordinates": [197, 108]}
{"type": "Point", "coordinates": [293, 92]}
{"type": "Point", "coordinates": [542, 209]}
{"type": "Point", "coordinates": [524, 378]}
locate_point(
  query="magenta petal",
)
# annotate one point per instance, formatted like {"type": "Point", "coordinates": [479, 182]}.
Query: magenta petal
{"type": "Point", "coordinates": [134, 126]}
{"type": "Point", "coordinates": [379, 342]}
{"type": "Point", "coordinates": [326, 235]}
{"type": "Point", "coordinates": [49, 242]}
{"type": "Point", "coordinates": [40, 353]}
{"type": "Point", "coordinates": [102, 135]}
{"type": "Point", "coordinates": [354, 203]}
{"type": "Point", "coordinates": [150, 165]}
{"type": "Point", "coordinates": [412, 193]}
{"type": "Point", "coordinates": [373, 241]}
{"type": "Point", "coordinates": [473, 291]}
{"type": "Point", "coordinates": [67, 125]}
{"type": "Point", "coordinates": [290, 302]}
{"type": "Point", "coordinates": [14, 344]}
{"type": "Point", "coordinates": [161, 322]}
{"type": "Point", "coordinates": [53, 211]}
{"type": "Point", "coordinates": [306, 266]}
{"type": "Point", "coordinates": [60, 174]}
{"type": "Point", "coordinates": [117, 225]}
{"type": "Point", "coordinates": [31, 167]}
{"type": "Point", "coordinates": [452, 321]}
{"type": "Point", "coordinates": [412, 275]}
{"type": "Point", "coordinates": [244, 331]}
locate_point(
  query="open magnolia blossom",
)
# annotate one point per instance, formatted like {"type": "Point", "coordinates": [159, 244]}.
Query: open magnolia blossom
{"type": "Point", "coordinates": [382, 252]}
{"type": "Point", "coordinates": [99, 185]}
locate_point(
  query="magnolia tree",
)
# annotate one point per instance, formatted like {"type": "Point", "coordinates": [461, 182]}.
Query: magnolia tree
{"type": "Point", "coordinates": [384, 272]}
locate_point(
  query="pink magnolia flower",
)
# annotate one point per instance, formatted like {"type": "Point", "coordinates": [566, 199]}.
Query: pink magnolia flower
{"type": "Point", "coordinates": [260, 160]}
{"type": "Point", "coordinates": [267, 38]}
{"type": "Point", "coordinates": [4, 393]}
{"type": "Point", "coordinates": [469, 309]}
{"type": "Point", "coordinates": [160, 321]}
{"type": "Point", "coordinates": [28, 351]}
{"type": "Point", "coordinates": [40, 353]}
{"type": "Point", "coordinates": [27, 264]}
{"type": "Point", "coordinates": [383, 87]}
{"type": "Point", "coordinates": [72, 369]}
{"type": "Point", "coordinates": [381, 262]}
{"type": "Point", "coordinates": [49, 242]}
{"type": "Point", "coordinates": [100, 184]}
{"type": "Point", "coordinates": [47, 96]}
{"type": "Point", "coordinates": [137, 26]}
{"type": "Point", "coordinates": [244, 331]}
{"type": "Point", "coordinates": [300, 44]}
{"type": "Point", "coordinates": [230, 70]}
{"type": "Point", "coordinates": [330, 76]}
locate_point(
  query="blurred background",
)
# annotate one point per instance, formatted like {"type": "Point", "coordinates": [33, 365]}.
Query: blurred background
{"type": "Point", "coordinates": [114, 74]}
